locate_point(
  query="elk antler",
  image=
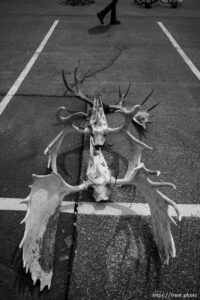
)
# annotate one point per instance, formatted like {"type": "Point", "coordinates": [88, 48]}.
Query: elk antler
{"type": "Point", "coordinates": [123, 96]}
{"type": "Point", "coordinates": [76, 92]}
{"type": "Point", "coordinates": [141, 118]}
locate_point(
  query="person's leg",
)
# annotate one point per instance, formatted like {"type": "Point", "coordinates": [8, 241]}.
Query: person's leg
{"type": "Point", "coordinates": [113, 17]}
{"type": "Point", "coordinates": [101, 15]}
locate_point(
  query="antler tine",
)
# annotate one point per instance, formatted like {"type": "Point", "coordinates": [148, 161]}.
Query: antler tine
{"type": "Point", "coordinates": [127, 91]}
{"type": "Point", "coordinates": [85, 75]}
{"type": "Point", "coordinates": [147, 97]}
{"type": "Point", "coordinates": [120, 95]}
{"type": "Point", "coordinates": [76, 92]}
{"type": "Point", "coordinates": [67, 120]}
{"type": "Point", "coordinates": [68, 87]}
{"type": "Point", "coordinates": [83, 131]}
{"type": "Point", "coordinates": [76, 76]}
{"type": "Point", "coordinates": [154, 106]}
{"type": "Point", "coordinates": [123, 96]}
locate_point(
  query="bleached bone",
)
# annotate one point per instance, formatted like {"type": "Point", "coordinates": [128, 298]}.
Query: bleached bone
{"type": "Point", "coordinates": [99, 174]}
{"type": "Point", "coordinates": [128, 113]}
{"type": "Point", "coordinates": [43, 209]}
{"type": "Point", "coordinates": [159, 204]}
{"type": "Point", "coordinates": [142, 116]}
{"type": "Point", "coordinates": [53, 148]}
{"type": "Point", "coordinates": [76, 92]}
{"type": "Point", "coordinates": [68, 120]}
{"type": "Point", "coordinates": [123, 96]}
{"type": "Point", "coordinates": [108, 108]}
{"type": "Point", "coordinates": [136, 148]}
{"type": "Point", "coordinates": [98, 126]}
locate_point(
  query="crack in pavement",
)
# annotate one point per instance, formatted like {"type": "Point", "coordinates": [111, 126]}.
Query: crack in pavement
{"type": "Point", "coordinates": [75, 220]}
{"type": "Point", "coordinates": [108, 65]}
{"type": "Point", "coordinates": [120, 48]}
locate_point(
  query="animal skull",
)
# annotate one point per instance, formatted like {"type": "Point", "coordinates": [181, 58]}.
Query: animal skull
{"type": "Point", "coordinates": [47, 192]}
{"type": "Point", "coordinates": [99, 174]}
{"type": "Point", "coordinates": [98, 126]}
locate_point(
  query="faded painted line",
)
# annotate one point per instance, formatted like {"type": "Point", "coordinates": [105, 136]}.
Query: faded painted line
{"type": "Point", "coordinates": [14, 204]}
{"type": "Point", "coordinates": [180, 51]}
{"type": "Point", "coordinates": [12, 91]}
{"type": "Point", "coordinates": [105, 208]}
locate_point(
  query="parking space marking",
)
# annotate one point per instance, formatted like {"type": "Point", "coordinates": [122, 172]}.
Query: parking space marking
{"type": "Point", "coordinates": [105, 208]}
{"type": "Point", "coordinates": [12, 91]}
{"type": "Point", "coordinates": [187, 60]}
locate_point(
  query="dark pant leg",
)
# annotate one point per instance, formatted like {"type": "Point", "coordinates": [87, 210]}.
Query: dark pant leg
{"type": "Point", "coordinates": [111, 6]}
{"type": "Point", "coordinates": [113, 10]}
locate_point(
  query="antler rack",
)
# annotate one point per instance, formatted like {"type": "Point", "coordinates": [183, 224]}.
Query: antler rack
{"type": "Point", "coordinates": [140, 119]}
{"type": "Point", "coordinates": [48, 191]}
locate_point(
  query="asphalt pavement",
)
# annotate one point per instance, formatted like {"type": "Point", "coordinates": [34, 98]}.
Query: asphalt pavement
{"type": "Point", "coordinates": [101, 257]}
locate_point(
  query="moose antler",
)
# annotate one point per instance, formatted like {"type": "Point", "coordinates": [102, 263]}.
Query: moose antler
{"type": "Point", "coordinates": [48, 191]}
{"type": "Point", "coordinates": [158, 204]}
{"type": "Point", "coordinates": [43, 209]}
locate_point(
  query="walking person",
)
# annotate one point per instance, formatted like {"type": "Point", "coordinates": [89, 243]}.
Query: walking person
{"type": "Point", "coordinates": [109, 8]}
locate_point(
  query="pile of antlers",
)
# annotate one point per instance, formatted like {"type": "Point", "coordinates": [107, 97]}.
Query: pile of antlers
{"type": "Point", "coordinates": [48, 191]}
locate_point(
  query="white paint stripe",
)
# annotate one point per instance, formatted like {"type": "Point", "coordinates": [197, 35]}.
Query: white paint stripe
{"type": "Point", "coordinates": [12, 91]}
{"type": "Point", "coordinates": [14, 204]}
{"type": "Point", "coordinates": [105, 208]}
{"type": "Point", "coordinates": [180, 51]}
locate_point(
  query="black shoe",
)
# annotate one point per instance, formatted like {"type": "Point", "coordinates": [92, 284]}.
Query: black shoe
{"type": "Point", "coordinates": [115, 22]}
{"type": "Point", "coordinates": [100, 17]}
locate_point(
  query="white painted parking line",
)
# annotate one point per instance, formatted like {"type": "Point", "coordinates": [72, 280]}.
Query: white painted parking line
{"type": "Point", "coordinates": [12, 91]}
{"type": "Point", "coordinates": [187, 60]}
{"type": "Point", "coordinates": [105, 208]}
{"type": "Point", "coordinates": [15, 205]}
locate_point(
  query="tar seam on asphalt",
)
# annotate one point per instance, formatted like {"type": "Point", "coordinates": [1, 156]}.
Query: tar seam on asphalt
{"type": "Point", "coordinates": [75, 219]}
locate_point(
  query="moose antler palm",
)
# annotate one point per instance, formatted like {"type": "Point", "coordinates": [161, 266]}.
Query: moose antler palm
{"type": "Point", "coordinates": [47, 191]}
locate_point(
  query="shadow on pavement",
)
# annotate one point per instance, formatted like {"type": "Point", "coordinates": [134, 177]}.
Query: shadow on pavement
{"type": "Point", "coordinates": [98, 29]}
{"type": "Point", "coordinates": [140, 232]}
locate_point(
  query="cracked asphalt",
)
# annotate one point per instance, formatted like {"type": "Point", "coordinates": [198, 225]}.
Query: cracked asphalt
{"type": "Point", "coordinates": [101, 257]}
